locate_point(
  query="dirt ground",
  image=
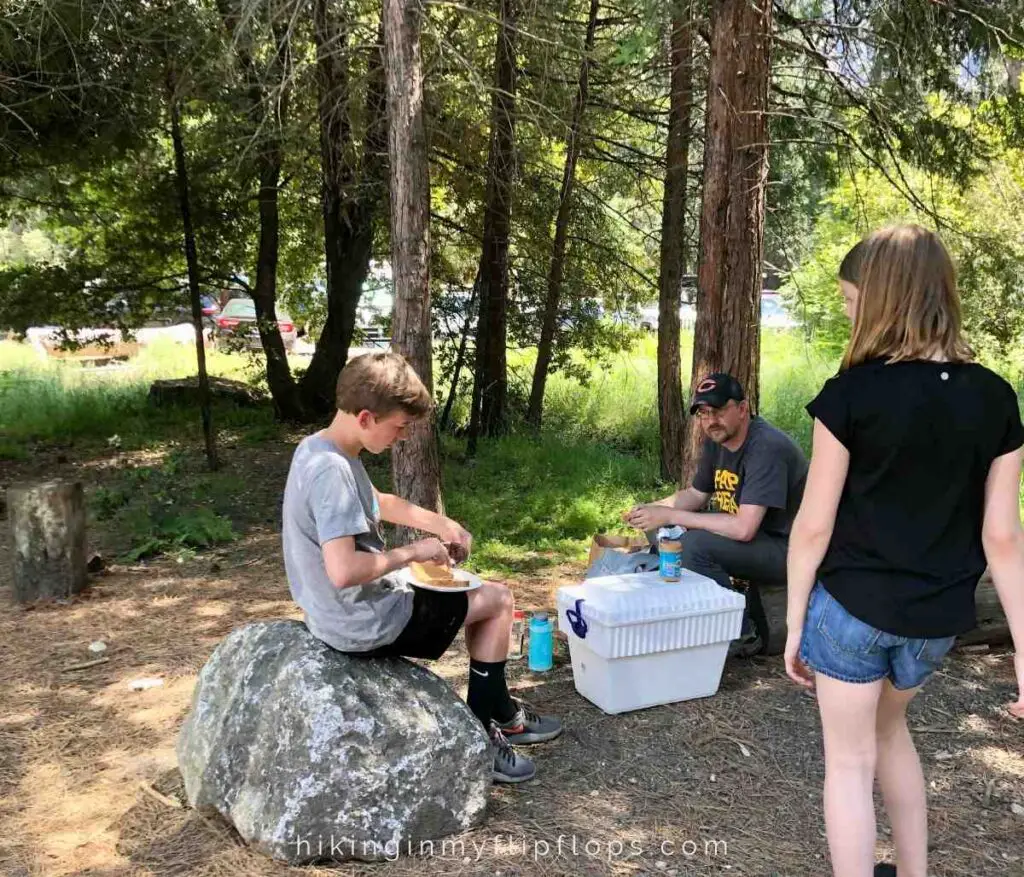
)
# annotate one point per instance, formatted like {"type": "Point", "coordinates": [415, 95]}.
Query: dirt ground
{"type": "Point", "coordinates": [726, 785]}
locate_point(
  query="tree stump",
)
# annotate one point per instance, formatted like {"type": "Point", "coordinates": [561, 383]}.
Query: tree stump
{"type": "Point", "coordinates": [48, 534]}
{"type": "Point", "coordinates": [991, 628]}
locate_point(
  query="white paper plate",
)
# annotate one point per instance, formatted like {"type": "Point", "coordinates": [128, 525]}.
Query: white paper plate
{"type": "Point", "coordinates": [468, 581]}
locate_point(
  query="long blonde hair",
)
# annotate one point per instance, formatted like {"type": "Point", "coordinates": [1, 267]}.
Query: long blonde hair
{"type": "Point", "coordinates": [908, 307]}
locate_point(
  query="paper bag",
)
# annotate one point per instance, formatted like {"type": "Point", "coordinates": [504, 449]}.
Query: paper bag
{"type": "Point", "coordinates": [611, 554]}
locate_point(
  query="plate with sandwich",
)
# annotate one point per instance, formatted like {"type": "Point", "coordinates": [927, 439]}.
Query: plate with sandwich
{"type": "Point", "coordinates": [437, 577]}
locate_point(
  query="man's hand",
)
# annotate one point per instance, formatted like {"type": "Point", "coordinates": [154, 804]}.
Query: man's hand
{"type": "Point", "coordinates": [453, 533]}
{"type": "Point", "coordinates": [430, 551]}
{"type": "Point", "coordinates": [649, 517]}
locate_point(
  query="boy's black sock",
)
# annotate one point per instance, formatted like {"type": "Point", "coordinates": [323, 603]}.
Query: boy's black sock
{"type": "Point", "coordinates": [488, 695]}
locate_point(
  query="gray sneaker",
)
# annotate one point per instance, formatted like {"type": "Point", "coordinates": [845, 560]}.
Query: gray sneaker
{"type": "Point", "coordinates": [509, 765]}
{"type": "Point", "coordinates": [526, 726]}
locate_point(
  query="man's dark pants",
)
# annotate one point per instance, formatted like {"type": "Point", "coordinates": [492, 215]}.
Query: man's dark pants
{"type": "Point", "coordinates": [762, 560]}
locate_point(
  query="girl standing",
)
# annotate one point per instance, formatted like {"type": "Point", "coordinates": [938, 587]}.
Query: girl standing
{"type": "Point", "coordinates": [913, 486]}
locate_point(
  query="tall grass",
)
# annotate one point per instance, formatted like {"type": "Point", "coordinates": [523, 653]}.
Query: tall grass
{"type": "Point", "coordinates": [44, 399]}
{"type": "Point", "coordinates": [531, 500]}
{"type": "Point", "coordinates": [619, 405]}
{"type": "Point", "coordinates": [792, 374]}
{"type": "Point", "coordinates": [52, 400]}
{"type": "Point", "coordinates": [536, 502]}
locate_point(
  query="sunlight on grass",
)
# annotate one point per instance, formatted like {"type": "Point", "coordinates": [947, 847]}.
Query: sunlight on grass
{"type": "Point", "coordinates": [523, 496]}
{"type": "Point", "coordinates": [531, 501]}
{"type": "Point", "coordinates": [598, 453]}
{"type": "Point", "coordinates": [55, 400]}
{"type": "Point", "coordinates": [619, 404]}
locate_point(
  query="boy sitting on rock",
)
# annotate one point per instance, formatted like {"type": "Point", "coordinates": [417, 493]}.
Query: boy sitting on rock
{"type": "Point", "coordinates": [338, 566]}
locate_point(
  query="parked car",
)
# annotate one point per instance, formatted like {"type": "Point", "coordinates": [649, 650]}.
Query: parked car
{"type": "Point", "coordinates": [210, 306]}
{"type": "Point", "coordinates": [180, 312]}
{"type": "Point", "coordinates": [773, 315]}
{"type": "Point", "coordinates": [649, 316]}
{"type": "Point", "coordinates": [237, 324]}
{"type": "Point", "coordinates": [377, 301]}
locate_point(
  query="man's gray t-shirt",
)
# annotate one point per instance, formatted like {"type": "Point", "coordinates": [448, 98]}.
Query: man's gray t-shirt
{"type": "Point", "coordinates": [329, 495]}
{"type": "Point", "coordinates": [768, 470]}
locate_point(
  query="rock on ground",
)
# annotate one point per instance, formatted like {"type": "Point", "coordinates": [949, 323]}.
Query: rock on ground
{"type": "Point", "coordinates": [316, 756]}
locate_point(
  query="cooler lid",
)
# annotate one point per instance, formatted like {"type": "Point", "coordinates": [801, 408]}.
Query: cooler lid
{"type": "Point", "coordinates": [641, 597]}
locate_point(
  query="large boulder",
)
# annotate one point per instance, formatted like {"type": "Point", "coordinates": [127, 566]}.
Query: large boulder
{"type": "Point", "coordinates": [315, 756]}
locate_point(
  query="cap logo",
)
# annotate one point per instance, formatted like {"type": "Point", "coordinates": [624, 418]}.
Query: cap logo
{"type": "Point", "coordinates": [706, 385]}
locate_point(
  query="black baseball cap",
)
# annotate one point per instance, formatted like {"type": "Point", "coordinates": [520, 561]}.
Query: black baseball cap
{"type": "Point", "coordinates": [716, 390]}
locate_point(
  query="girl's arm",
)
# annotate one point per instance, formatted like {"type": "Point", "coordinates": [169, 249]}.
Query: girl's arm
{"type": "Point", "coordinates": [1003, 538]}
{"type": "Point", "coordinates": [811, 534]}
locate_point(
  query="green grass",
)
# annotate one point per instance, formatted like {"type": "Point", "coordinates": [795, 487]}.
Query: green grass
{"type": "Point", "coordinates": [56, 401]}
{"type": "Point", "coordinates": [530, 501]}
{"type": "Point", "coordinates": [533, 502]}
{"type": "Point", "coordinates": [537, 502]}
{"type": "Point", "coordinates": [618, 407]}
{"type": "Point", "coordinates": [792, 374]}
{"type": "Point", "coordinates": [176, 506]}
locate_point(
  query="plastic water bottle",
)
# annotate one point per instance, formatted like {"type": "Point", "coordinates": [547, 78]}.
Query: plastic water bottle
{"type": "Point", "coordinates": [542, 636]}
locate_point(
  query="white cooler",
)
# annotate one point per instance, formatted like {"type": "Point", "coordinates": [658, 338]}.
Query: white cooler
{"type": "Point", "coordinates": [648, 641]}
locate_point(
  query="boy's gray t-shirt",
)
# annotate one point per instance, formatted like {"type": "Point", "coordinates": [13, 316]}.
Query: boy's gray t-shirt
{"type": "Point", "coordinates": [329, 495]}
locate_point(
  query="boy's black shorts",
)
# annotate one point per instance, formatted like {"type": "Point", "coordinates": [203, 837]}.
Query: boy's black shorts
{"type": "Point", "coordinates": [431, 629]}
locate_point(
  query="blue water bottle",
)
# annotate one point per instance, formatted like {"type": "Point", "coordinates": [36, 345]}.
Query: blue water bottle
{"type": "Point", "coordinates": [542, 636]}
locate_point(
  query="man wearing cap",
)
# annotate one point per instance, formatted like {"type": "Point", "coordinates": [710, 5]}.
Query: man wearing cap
{"type": "Point", "coordinates": [739, 509]}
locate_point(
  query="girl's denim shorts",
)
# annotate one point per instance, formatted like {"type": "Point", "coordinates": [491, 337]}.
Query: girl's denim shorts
{"type": "Point", "coordinates": [837, 645]}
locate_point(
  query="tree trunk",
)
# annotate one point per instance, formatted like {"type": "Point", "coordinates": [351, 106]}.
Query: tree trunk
{"type": "Point", "coordinates": [1014, 72]}
{"type": "Point", "coordinates": [492, 373]}
{"type": "Point", "coordinates": [478, 374]}
{"type": "Point", "coordinates": [460, 358]}
{"type": "Point", "coordinates": [673, 242]}
{"type": "Point", "coordinates": [264, 293]}
{"type": "Point", "coordinates": [48, 536]}
{"type": "Point", "coordinates": [192, 261]}
{"type": "Point", "coordinates": [726, 336]}
{"type": "Point", "coordinates": [415, 461]}
{"type": "Point", "coordinates": [267, 113]}
{"type": "Point", "coordinates": [556, 272]}
{"type": "Point", "coordinates": [350, 200]}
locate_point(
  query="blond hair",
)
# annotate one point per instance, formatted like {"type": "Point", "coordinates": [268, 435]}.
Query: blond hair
{"type": "Point", "coordinates": [381, 383]}
{"type": "Point", "coordinates": [908, 307]}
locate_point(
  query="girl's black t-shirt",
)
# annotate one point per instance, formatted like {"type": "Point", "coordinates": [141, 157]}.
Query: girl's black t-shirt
{"type": "Point", "coordinates": [906, 552]}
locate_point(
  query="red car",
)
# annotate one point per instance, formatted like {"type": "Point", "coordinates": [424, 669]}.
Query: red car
{"type": "Point", "coordinates": [209, 305]}
{"type": "Point", "coordinates": [238, 321]}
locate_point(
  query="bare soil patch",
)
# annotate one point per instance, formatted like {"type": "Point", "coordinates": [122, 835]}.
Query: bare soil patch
{"type": "Point", "coordinates": [726, 785]}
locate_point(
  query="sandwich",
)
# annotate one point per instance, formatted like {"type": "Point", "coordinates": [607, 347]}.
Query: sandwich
{"type": "Point", "coordinates": [433, 574]}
